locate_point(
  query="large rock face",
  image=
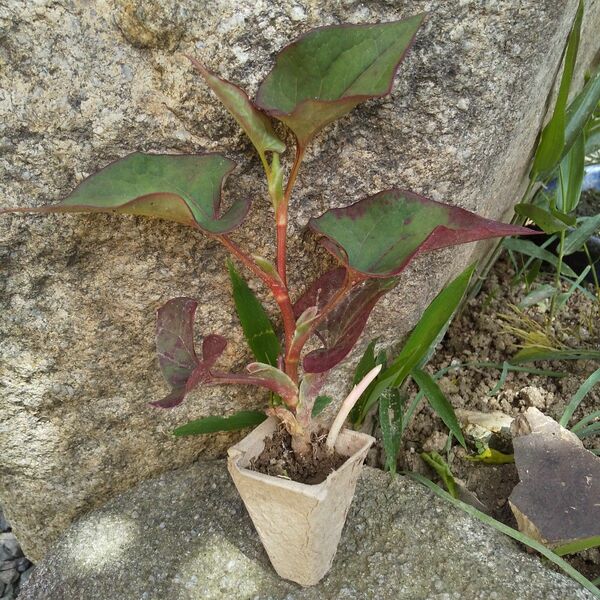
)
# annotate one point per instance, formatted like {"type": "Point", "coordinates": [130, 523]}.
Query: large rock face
{"type": "Point", "coordinates": [187, 536]}
{"type": "Point", "coordinates": [84, 83]}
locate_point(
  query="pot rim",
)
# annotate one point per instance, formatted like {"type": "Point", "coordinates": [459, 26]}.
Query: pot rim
{"type": "Point", "coordinates": [236, 454]}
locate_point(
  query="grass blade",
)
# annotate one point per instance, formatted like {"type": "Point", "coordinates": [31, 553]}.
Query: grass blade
{"type": "Point", "coordinates": [513, 533]}
{"type": "Point", "coordinates": [552, 141]}
{"type": "Point", "coordinates": [257, 327]}
{"type": "Point", "coordinates": [581, 109]}
{"type": "Point", "coordinates": [585, 420]}
{"type": "Point", "coordinates": [570, 177]}
{"type": "Point", "coordinates": [439, 403]}
{"type": "Point", "coordinates": [541, 217]}
{"type": "Point", "coordinates": [574, 241]}
{"type": "Point", "coordinates": [580, 394]}
{"type": "Point", "coordinates": [424, 336]}
{"type": "Point", "coordinates": [530, 249]}
{"type": "Point", "coordinates": [440, 466]}
{"type": "Point", "coordinates": [239, 420]}
{"type": "Point", "coordinates": [538, 295]}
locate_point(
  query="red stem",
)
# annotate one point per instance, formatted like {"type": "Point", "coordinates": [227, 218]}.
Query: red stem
{"type": "Point", "coordinates": [279, 291]}
{"type": "Point", "coordinates": [293, 355]}
{"type": "Point", "coordinates": [281, 216]}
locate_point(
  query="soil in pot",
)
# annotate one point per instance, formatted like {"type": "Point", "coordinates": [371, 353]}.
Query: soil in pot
{"type": "Point", "coordinates": [279, 460]}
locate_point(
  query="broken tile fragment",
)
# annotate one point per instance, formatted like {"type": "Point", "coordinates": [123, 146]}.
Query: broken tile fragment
{"type": "Point", "coordinates": [557, 501]}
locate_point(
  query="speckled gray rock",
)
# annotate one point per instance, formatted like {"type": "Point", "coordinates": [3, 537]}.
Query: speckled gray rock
{"type": "Point", "coordinates": [187, 536]}
{"type": "Point", "coordinates": [84, 83]}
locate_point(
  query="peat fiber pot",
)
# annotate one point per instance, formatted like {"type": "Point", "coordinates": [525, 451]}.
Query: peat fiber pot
{"type": "Point", "coordinates": [299, 525]}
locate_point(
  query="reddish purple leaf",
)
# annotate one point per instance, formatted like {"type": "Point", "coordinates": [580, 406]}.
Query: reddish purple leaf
{"type": "Point", "coordinates": [342, 328]}
{"type": "Point", "coordinates": [379, 235]}
{"type": "Point", "coordinates": [176, 354]}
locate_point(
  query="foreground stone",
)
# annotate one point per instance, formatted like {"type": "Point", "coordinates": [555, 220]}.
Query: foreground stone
{"type": "Point", "coordinates": [557, 501]}
{"type": "Point", "coordinates": [85, 83]}
{"type": "Point", "coordinates": [187, 536]}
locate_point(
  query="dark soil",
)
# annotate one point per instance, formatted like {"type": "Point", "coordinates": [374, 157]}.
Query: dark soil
{"type": "Point", "coordinates": [279, 460]}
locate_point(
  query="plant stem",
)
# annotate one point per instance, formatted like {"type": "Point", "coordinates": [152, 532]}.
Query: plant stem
{"type": "Point", "coordinates": [557, 284]}
{"type": "Point", "coordinates": [278, 290]}
{"type": "Point", "coordinates": [281, 217]}
{"type": "Point", "coordinates": [295, 348]}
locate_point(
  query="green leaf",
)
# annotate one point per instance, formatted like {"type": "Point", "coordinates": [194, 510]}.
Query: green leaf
{"type": "Point", "coordinates": [391, 426]}
{"type": "Point", "coordinates": [327, 72]}
{"type": "Point", "coordinates": [534, 353]}
{"type": "Point", "coordinates": [578, 546]}
{"type": "Point", "coordinates": [434, 319]}
{"type": "Point", "coordinates": [255, 123]}
{"type": "Point", "coordinates": [367, 362]}
{"type": "Point", "coordinates": [538, 295]}
{"type": "Point", "coordinates": [580, 394]}
{"type": "Point", "coordinates": [589, 418]}
{"type": "Point", "coordinates": [506, 530]}
{"type": "Point", "coordinates": [541, 217]}
{"type": "Point", "coordinates": [552, 140]}
{"type": "Point", "coordinates": [586, 228]}
{"type": "Point", "coordinates": [570, 177]}
{"type": "Point", "coordinates": [440, 466]}
{"type": "Point", "coordinates": [239, 420]}
{"type": "Point", "coordinates": [379, 235]}
{"type": "Point", "coordinates": [581, 110]}
{"type": "Point", "coordinates": [530, 249]}
{"type": "Point", "coordinates": [181, 188]}
{"type": "Point", "coordinates": [256, 324]}
{"type": "Point", "coordinates": [439, 403]}
{"type": "Point", "coordinates": [321, 403]}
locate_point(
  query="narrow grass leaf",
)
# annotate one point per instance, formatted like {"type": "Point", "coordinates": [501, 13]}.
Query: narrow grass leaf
{"type": "Point", "coordinates": [585, 420]}
{"type": "Point", "coordinates": [587, 227]}
{"type": "Point", "coordinates": [589, 430]}
{"type": "Point", "coordinates": [439, 403]}
{"type": "Point", "coordinates": [439, 465]}
{"type": "Point", "coordinates": [533, 353]}
{"type": "Point", "coordinates": [580, 394]}
{"type": "Point", "coordinates": [563, 298]}
{"type": "Point", "coordinates": [538, 295]}
{"type": "Point", "coordinates": [552, 140]}
{"type": "Point", "coordinates": [570, 177]}
{"type": "Point", "coordinates": [390, 421]}
{"type": "Point", "coordinates": [541, 217]}
{"type": "Point", "coordinates": [257, 327]}
{"type": "Point", "coordinates": [530, 249]}
{"type": "Point", "coordinates": [494, 391]}
{"type": "Point", "coordinates": [239, 420]}
{"type": "Point", "coordinates": [434, 320]}
{"type": "Point", "coordinates": [581, 109]}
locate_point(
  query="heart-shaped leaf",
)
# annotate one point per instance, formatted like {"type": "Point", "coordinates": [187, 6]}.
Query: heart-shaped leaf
{"type": "Point", "coordinates": [176, 354]}
{"type": "Point", "coordinates": [327, 72]}
{"type": "Point", "coordinates": [181, 188]}
{"type": "Point", "coordinates": [255, 123]}
{"type": "Point", "coordinates": [378, 236]}
{"type": "Point", "coordinates": [340, 330]}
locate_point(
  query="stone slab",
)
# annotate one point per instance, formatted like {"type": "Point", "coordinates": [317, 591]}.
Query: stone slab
{"type": "Point", "coordinates": [186, 536]}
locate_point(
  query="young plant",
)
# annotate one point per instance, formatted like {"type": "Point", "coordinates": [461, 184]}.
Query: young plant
{"type": "Point", "coordinates": [317, 79]}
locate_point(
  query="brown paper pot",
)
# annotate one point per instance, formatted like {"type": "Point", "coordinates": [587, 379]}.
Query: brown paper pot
{"type": "Point", "coordinates": [299, 525]}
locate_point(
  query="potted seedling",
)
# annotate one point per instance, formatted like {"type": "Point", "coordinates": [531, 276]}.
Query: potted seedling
{"type": "Point", "coordinates": [316, 79]}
